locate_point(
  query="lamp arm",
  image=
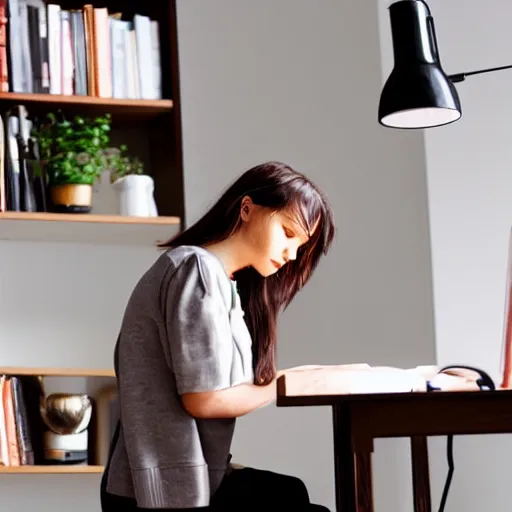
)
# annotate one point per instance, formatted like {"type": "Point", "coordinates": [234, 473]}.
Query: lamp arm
{"type": "Point", "coordinates": [460, 77]}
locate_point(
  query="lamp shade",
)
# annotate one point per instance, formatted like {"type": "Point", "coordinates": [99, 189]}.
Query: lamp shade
{"type": "Point", "coordinates": [418, 93]}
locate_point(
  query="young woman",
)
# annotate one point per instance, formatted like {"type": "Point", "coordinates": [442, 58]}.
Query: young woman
{"type": "Point", "coordinates": [197, 349]}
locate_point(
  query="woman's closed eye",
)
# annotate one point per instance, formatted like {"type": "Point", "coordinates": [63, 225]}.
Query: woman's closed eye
{"type": "Point", "coordinates": [288, 232]}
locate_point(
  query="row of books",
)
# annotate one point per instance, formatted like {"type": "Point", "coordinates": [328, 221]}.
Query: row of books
{"type": "Point", "coordinates": [21, 424]}
{"type": "Point", "coordinates": [89, 51]}
{"type": "Point", "coordinates": [22, 183]}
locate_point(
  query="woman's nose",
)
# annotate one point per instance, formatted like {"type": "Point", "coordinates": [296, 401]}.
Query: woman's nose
{"type": "Point", "coordinates": [290, 254]}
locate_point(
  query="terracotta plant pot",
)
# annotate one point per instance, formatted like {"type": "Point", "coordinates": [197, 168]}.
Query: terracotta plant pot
{"type": "Point", "coordinates": [71, 198]}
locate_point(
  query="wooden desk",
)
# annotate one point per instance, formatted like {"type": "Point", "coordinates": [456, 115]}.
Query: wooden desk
{"type": "Point", "coordinates": [359, 419]}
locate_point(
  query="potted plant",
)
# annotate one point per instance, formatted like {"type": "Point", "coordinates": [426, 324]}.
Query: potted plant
{"type": "Point", "coordinates": [122, 164]}
{"type": "Point", "coordinates": [71, 154]}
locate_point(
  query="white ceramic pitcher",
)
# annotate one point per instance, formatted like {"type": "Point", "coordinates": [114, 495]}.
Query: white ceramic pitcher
{"type": "Point", "coordinates": [136, 195]}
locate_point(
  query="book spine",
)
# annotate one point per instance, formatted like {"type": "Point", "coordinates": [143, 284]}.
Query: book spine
{"type": "Point", "coordinates": [4, 69]}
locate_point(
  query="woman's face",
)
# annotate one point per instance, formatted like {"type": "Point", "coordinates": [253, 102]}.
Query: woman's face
{"type": "Point", "coordinates": [273, 238]}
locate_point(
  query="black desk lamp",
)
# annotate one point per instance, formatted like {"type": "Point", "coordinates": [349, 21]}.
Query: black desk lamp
{"type": "Point", "coordinates": [418, 93]}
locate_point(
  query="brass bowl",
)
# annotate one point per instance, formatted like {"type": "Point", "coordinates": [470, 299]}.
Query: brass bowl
{"type": "Point", "coordinates": [66, 413]}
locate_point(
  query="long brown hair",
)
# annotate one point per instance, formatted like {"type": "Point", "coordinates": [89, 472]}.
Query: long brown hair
{"type": "Point", "coordinates": [276, 186]}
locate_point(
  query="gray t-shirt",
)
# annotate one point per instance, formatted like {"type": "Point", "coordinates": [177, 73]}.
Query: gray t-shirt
{"type": "Point", "coordinates": [183, 331]}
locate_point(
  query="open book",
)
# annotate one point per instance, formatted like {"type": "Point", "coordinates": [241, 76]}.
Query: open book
{"type": "Point", "coordinates": [363, 378]}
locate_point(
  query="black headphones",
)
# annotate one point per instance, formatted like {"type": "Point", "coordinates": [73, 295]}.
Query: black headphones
{"type": "Point", "coordinates": [485, 383]}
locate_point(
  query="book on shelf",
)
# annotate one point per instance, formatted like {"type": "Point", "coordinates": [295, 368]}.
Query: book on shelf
{"type": "Point", "coordinates": [22, 186]}
{"type": "Point", "coordinates": [21, 424]}
{"type": "Point", "coordinates": [89, 51]}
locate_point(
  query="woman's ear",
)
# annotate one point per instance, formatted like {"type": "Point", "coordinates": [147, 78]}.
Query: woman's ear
{"type": "Point", "coordinates": [246, 208]}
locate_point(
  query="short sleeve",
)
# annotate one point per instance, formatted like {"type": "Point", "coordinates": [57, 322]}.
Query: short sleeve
{"type": "Point", "coordinates": [199, 329]}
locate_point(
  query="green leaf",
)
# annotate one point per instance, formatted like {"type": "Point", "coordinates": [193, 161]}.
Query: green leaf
{"type": "Point", "coordinates": [61, 140]}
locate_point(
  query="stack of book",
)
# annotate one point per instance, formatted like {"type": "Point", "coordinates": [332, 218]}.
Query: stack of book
{"type": "Point", "coordinates": [89, 51]}
{"type": "Point", "coordinates": [21, 424]}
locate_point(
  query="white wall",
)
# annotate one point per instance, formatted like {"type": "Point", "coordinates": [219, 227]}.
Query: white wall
{"type": "Point", "coordinates": [298, 81]}
{"type": "Point", "coordinates": [470, 189]}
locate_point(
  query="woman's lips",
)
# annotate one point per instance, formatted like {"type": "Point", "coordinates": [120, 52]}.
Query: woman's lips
{"type": "Point", "coordinates": [276, 264]}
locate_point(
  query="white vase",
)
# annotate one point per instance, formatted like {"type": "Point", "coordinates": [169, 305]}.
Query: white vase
{"type": "Point", "coordinates": [136, 195]}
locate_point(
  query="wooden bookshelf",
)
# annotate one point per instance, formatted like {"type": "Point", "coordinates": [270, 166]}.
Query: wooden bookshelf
{"type": "Point", "coordinates": [87, 218]}
{"type": "Point", "coordinates": [87, 228]}
{"type": "Point", "coordinates": [125, 108]}
{"type": "Point", "coordinates": [57, 372]}
{"type": "Point", "coordinates": [52, 470]}
{"type": "Point", "coordinates": [152, 131]}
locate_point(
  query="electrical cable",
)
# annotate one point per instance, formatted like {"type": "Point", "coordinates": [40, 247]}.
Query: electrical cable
{"type": "Point", "coordinates": [451, 467]}
{"type": "Point", "coordinates": [485, 383]}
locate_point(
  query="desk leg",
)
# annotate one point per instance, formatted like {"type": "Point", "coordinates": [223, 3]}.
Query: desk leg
{"type": "Point", "coordinates": [420, 474]}
{"type": "Point", "coordinates": [344, 467]}
{"type": "Point", "coordinates": [364, 485]}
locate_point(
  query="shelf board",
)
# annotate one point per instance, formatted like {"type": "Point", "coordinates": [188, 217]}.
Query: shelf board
{"type": "Point", "coordinates": [57, 372]}
{"type": "Point", "coordinates": [64, 469]}
{"type": "Point", "coordinates": [88, 104]}
{"type": "Point", "coordinates": [86, 228]}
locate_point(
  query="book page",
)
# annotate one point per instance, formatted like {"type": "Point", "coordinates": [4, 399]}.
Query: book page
{"type": "Point", "coordinates": [316, 380]}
